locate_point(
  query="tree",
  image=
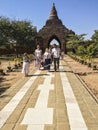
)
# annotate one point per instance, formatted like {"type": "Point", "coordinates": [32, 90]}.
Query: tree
{"type": "Point", "coordinates": [95, 36]}
{"type": "Point", "coordinates": [5, 26]}
{"type": "Point", "coordinates": [74, 41]}
{"type": "Point", "coordinates": [17, 34]}
{"type": "Point", "coordinates": [95, 43]}
{"type": "Point", "coordinates": [23, 33]}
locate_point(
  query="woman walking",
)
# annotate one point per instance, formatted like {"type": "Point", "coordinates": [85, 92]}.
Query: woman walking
{"type": "Point", "coordinates": [38, 57]}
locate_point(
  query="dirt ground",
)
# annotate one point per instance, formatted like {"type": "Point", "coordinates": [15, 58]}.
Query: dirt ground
{"type": "Point", "coordinates": [10, 78]}
{"type": "Point", "coordinates": [89, 76]}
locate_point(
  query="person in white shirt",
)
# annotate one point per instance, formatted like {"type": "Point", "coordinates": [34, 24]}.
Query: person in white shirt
{"type": "Point", "coordinates": [47, 59]}
{"type": "Point", "coordinates": [26, 64]}
{"type": "Point", "coordinates": [56, 56]}
{"type": "Point", "coordinates": [38, 57]}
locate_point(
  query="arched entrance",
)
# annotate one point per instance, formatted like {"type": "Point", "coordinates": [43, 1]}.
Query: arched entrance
{"type": "Point", "coordinates": [53, 30]}
{"type": "Point", "coordinates": [55, 40]}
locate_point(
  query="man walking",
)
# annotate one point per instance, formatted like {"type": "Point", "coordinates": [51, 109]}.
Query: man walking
{"type": "Point", "coordinates": [56, 56]}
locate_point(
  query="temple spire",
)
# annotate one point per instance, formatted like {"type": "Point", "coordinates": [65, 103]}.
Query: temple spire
{"type": "Point", "coordinates": [53, 13]}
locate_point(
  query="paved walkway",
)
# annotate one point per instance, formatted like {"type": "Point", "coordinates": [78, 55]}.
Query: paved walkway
{"type": "Point", "coordinates": [49, 101]}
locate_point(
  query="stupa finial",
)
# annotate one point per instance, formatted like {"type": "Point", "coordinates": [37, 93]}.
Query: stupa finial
{"type": "Point", "coordinates": [53, 13]}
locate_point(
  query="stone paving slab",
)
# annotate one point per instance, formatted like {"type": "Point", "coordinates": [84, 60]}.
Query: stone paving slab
{"type": "Point", "coordinates": [53, 102]}
{"type": "Point", "coordinates": [87, 104]}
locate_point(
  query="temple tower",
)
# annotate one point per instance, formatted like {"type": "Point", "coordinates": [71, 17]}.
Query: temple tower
{"type": "Point", "coordinates": [53, 29]}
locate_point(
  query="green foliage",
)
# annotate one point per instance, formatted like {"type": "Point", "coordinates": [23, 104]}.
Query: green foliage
{"type": "Point", "coordinates": [4, 30]}
{"type": "Point", "coordinates": [95, 37]}
{"type": "Point", "coordinates": [19, 33]}
{"type": "Point", "coordinates": [81, 50]}
{"type": "Point", "coordinates": [74, 41]}
{"type": "Point", "coordinates": [92, 50]}
{"type": "Point", "coordinates": [23, 33]}
{"type": "Point", "coordinates": [95, 42]}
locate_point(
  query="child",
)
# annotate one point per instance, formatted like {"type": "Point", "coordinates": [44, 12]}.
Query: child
{"type": "Point", "coordinates": [26, 63]}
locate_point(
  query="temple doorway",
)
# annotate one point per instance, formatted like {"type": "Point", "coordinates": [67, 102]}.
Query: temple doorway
{"type": "Point", "coordinates": [54, 41]}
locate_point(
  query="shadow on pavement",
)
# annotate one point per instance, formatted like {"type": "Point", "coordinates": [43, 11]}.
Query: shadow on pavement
{"type": "Point", "coordinates": [38, 75]}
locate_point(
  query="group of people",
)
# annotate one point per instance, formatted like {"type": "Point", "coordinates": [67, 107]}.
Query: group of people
{"type": "Point", "coordinates": [43, 60]}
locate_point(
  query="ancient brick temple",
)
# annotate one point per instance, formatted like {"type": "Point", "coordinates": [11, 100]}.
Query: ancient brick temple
{"type": "Point", "coordinates": [53, 29]}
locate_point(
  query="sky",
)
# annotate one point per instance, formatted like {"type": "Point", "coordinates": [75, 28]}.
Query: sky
{"type": "Point", "coordinates": [80, 16]}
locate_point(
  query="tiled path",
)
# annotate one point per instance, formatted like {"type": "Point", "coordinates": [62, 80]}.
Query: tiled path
{"type": "Point", "coordinates": [48, 101]}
